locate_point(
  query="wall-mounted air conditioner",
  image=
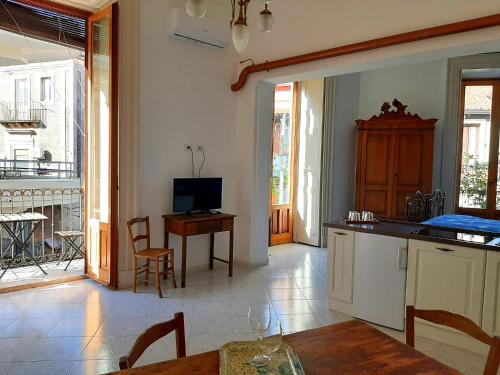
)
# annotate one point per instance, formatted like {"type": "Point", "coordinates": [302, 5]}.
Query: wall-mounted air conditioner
{"type": "Point", "coordinates": [199, 31]}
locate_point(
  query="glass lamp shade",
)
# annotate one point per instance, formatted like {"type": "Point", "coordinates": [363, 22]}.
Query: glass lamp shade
{"type": "Point", "coordinates": [265, 22]}
{"type": "Point", "coordinates": [241, 36]}
{"type": "Point", "coordinates": [264, 2]}
{"type": "Point", "coordinates": [196, 8]}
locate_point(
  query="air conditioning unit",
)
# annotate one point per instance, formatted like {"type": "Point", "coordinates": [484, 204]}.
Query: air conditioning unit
{"type": "Point", "coordinates": [199, 31]}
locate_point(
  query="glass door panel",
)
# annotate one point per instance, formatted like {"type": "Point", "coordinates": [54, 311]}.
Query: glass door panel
{"type": "Point", "coordinates": [100, 150]}
{"type": "Point", "coordinates": [478, 101]}
{"type": "Point", "coordinates": [282, 144]}
{"type": "Point", "coordinates": [282, 165]}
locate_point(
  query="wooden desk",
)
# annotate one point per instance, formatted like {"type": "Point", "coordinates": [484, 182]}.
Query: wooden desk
{"type": "Point", "coordinates": [346, 348]}
{"type": "Point", "coordinates": [193, 225]}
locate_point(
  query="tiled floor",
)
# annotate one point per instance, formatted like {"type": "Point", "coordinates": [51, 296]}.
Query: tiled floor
{"type": "Point", "coordinates": [32, 274]}
{"type": "Point", "coordinates": [83, 328]}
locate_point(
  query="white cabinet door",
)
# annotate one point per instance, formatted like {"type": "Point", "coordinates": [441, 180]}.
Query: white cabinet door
{"type": "Point", "coordinates": [340, 269]}
{"type": "Point", "coordinates": [380, 279]}
{"type": "Point", "coordinates": [446, 277]}
{"type": "Point", "coordinates": [491, 307]}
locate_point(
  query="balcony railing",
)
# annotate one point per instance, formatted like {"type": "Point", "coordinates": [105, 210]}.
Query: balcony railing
{"type": "Point", "coordinates": [64, 209]}
{"type": "Point", "coordinates": [31, 112]}
{"type": "Point", "coordinates": [13, 169]}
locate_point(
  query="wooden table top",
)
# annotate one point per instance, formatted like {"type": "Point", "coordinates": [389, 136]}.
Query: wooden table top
{"type": "Point", "coordinates": [197, 217]}
{"type": "Point", "coordinates": [351, 347]}
{"type": "Point", "coordinates": [23, 216]}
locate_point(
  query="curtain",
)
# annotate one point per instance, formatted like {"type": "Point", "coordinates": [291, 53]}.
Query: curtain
{"type": "Point", "coordinates": [326, 206]}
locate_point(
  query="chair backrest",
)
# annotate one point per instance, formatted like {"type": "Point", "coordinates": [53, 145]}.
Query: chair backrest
{"type": "Point", "coordinates": [460, 323]}
{"type": "Point", "coordinates": [416, 207]}
{"type": "Point", "coordinates": [436, 203]}
{"type": "Point", "coordinates": [154, 333]}
{"type": "Point", "coordinates": [423, 207]}
{"type": "Point", "coordinates": [139, 237]}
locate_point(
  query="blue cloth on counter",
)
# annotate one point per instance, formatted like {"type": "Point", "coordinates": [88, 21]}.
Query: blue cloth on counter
{"type": "Point", "coordinates": [465, 222]}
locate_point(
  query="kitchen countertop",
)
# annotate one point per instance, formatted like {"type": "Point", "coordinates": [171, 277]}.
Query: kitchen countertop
{"type": "Point", "coordinates": [403, 229]}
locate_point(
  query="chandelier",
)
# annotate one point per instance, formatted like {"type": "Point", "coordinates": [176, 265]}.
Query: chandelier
{"type": "Point", "coordinates": [238, 25]}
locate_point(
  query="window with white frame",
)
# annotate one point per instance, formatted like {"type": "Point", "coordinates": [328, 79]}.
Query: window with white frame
{"type": "Point", "coordinates": [46, 89]}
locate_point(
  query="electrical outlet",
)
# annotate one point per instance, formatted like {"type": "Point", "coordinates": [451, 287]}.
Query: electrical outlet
{"type": "Point", "coordinates": [200, 147]}
{"type": "Point", "coordinates": [188, 147]}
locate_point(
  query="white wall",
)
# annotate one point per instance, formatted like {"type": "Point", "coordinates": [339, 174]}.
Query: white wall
{"type": "Point", "coordinates": [304, 26]}
{"type": "Point", "coordinates": [420, 86]}
{"type": "Point", "coordinates": [183, 99]}
{"type": "Point", "coordinates": [347, 96]}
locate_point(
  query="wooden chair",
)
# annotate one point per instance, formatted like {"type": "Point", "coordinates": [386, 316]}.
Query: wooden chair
{"type": "Point", "coordinates": [460, 323]}
{"type": "Point", "coordinates": [423, 207]}
{"type": "Point", "coordinates": [149, 254]}
{"type": "Point", "coordinates": [154, 333]}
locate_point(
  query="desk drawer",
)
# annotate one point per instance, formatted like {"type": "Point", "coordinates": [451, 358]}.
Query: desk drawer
{"type": "Point", "coordinates": [204, 227]}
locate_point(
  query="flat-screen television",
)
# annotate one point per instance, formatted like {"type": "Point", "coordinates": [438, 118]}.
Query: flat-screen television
{"type": "Point", "coordinates": [197, 194]}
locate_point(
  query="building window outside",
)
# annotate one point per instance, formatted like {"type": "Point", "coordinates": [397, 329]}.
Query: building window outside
{"type": "Point", "coordinates": [21, 98]}
{"type": "Point", "coordinates": [21, 157]}
{"type": "Point", "coordinates": [478, 178]}
{"type": "Point", "coordinates": [46, 89]}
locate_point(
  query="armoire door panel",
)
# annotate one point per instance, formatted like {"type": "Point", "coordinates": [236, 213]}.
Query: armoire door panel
{"type": "Point", "coordinates": [376, 202]}
{"type": "Point", "coordinates": [409, 159]}
{"type": "Point", "coordinates": [378, 154]}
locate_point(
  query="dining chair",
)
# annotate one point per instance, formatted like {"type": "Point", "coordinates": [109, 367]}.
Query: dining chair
{"type": "Point", "coordinates": [149, 254]}
{"type": "Point", "coordinates": [460, 323]}
{"type": "Point", "coordinates": [154, 333]}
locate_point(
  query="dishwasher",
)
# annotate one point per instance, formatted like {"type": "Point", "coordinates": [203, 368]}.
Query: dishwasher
{"type": "Point", "coordinates": [380, 279]}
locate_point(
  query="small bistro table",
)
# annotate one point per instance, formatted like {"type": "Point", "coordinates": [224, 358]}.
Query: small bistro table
{"type": "Point", "coordinates": [191, 225]}
{"type": "Point", "coordinates": [8, 221]}
{"type": "Point", "coordinates": [349, 348]}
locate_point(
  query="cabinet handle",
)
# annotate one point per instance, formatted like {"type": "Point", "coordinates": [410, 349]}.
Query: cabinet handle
{"type": "Point", "coordinates": [402, 258]}
{"type": "Point", "coordinates": [339, 234]}
{"type": "Point", "coordinates": [445, 249]}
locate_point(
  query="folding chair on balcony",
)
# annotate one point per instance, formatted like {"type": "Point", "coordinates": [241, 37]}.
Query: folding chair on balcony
{"type": "Point", "coordinates": [68, 239]}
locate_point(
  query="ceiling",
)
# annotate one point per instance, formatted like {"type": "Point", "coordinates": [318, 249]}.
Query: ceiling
{"type": "Point", "coordinates": [16, 50]}
{"type": "Point", "coordinates": [84, 4]}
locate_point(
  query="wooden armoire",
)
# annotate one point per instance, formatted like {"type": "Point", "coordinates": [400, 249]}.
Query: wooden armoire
{"type": "Point", "coordinates": [394, 160]}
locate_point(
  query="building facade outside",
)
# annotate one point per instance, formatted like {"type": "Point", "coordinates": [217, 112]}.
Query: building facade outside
{"type": "Point", "coordinates": [42, 120]}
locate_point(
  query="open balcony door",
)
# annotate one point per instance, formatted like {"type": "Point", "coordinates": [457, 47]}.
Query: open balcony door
{"type": "Point", "coordinates": [282, 164]}
{"type": "Point", "coordinates": [101, 143]}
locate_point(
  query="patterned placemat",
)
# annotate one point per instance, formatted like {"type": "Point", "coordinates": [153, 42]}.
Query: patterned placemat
{"type": "Point", "coordinates": [234, 358]}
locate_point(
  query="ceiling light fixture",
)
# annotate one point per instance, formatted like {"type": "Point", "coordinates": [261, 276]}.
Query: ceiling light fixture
{"type": "Point", "coordinates": [239, 26]}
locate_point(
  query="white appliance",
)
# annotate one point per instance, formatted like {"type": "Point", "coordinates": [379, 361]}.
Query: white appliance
{"type": "Point", "coordinates": [199, 31]}
{"type": "Point", "coordinates": [380, 279]}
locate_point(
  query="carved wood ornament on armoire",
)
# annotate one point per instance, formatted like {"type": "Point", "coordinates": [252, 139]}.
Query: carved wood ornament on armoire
{"type": "Point", "coordinates": [394, 160]}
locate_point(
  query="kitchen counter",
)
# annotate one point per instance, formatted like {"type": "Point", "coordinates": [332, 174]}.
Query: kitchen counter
{"type": "Point", "coordinates": [403, 229]}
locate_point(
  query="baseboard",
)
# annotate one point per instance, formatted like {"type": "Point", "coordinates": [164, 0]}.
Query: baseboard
{"type": "Point", "coordinates": [245, 264]}
{"type": "Point", "coordinates": [340, 306]}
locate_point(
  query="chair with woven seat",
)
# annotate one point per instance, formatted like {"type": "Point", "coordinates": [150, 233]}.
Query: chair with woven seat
{"type": "Point", "coordinates": [460, 323]}
{"type": "Point", "coordinates": [149, 254]}
{"type": "Point", "coordinates": [153, 334]}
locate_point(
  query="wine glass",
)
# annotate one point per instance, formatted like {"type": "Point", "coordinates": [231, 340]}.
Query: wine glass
{"type": "Point", "coordinates": [274, 342]}
{"type": "Point", "coordinates": [259, 320]}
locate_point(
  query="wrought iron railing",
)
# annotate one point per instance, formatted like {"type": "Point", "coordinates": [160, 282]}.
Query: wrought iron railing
{"type": "Point", "coordinates": [23, 111]}
{"type": "Point", "coordinates": [34, 168]}
{"type": "Point", "coordinates": [65, 211]}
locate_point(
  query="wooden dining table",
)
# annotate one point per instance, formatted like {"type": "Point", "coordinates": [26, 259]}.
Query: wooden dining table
{"type": "Point", "coordinates": [352, 347]}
